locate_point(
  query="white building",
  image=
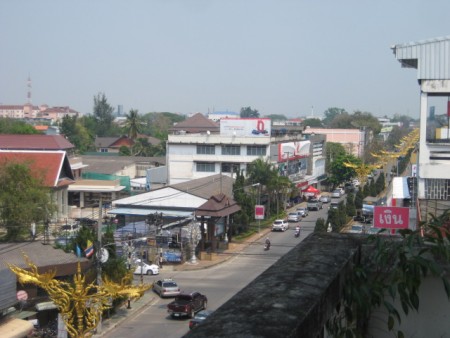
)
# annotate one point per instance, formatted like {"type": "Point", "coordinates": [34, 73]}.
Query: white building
{"type": "Point", "coordinates": [431, 58]}
{"type": "Point", "coordinates": [238, 143]}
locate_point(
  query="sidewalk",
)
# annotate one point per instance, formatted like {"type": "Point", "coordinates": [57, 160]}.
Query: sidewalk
{"type": "Point", "coordinates": [123, 313]}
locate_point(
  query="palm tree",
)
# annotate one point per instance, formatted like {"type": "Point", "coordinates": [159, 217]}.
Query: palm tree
{"type": "Point", "coordinates": [132, 124]}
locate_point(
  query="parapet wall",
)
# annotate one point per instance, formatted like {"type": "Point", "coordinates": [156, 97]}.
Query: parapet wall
{"type": "Point", "coordinates": [294, 297]}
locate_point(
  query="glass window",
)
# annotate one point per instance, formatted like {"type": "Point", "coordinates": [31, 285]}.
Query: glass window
{"type": "Point", "coordinates": [230, 167]}
{"type": "Point", "coordinates": [205, 167]}
{"type": "Point", "coordinates": [231, 150]}
{"type": "Point", "coordinates": [256, 150]}
{"type": "Point", "coordinates": [206, 149]}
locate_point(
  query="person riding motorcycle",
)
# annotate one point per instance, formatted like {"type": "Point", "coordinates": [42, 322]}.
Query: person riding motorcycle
{"type": "Point", "coordinates": [267, 243]}
{"type": "Point", "coordinates": [297, 231]}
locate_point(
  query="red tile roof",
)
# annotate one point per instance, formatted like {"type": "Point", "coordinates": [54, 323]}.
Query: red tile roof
{"type": "Point", "coordinates": [50, 164]}
{"type": "Point", "coordinates": [34, 142]}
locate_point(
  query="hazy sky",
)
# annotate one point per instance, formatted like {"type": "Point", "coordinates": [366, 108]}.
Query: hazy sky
{"type": "Point", "coordinates": [291, 57]}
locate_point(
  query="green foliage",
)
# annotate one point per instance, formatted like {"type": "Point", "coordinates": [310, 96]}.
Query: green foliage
{"type": "Point", "coordinates": [380, 183]}
{"type": "Point", "coordinates": [77, 133]}
{"type": "Point", "coordinates": [331, 113]}
{"type": "Point", "coordinates": [276, 117]}
{"type": "Point", "coordinates": [132, 124]}
{"type": "Point", "coordinates": [320, 225]}
{"type": "Point", "coordinates": [313, 123]}
{"type": "Point", "coordinates": [390, 270]}
{"type": "Point", "coordinates": [103, 115]}
{"type": "Point", "coordinates": [359, 199]}
{"type": "Point", "coordinates": [350, 205]}
{"type": "Point", "coordinates": [14, 126]}
{"type": "Point", "coordinates": [124, 151]}
{"type": "Point", "coordinates": [24, 199]}
{"type": "Point", "coordinates": [339, 173]}
{"type": "Point", "coordinates": [248, 112]}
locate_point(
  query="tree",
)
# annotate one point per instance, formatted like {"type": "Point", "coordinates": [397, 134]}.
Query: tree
{"type": "Point", "coordinates": [320, 225]}
{"type": "Point", "coordinates": [333, 151]}
{"type": "Point", "coordinates": [132, 124]}
{"type": "Point", "coordinates": [276, 117]}
{"type": "Point", "coordinates": [14, 126]}
{"type": "Point", "coordinates": [359, 199]}
{"type": "Point", "coordinates": [331, 113]}
{"type": "Point", "coordinates": [350, 205]}
{"type": "Point", "coordinates": [24, 199]}
{"type": "Point", "coordinates": [340, 173]}
{"type": "Point", "coordinates": [73, 129]}
{"type": "Point", "coordinates": [248, 112]}
{"type": "Point", "coordinates": [313, 123]}
{"type": "Point", "coordinates": [103, 115]}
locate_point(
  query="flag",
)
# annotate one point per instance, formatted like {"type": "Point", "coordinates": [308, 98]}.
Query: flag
{"type": "Point", "coordinates": [78, 251]}
{"type": "Point", "coordinates": [89, 251]}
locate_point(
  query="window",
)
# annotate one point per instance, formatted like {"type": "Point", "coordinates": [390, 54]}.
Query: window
{"type": "Point", "coordinates": [256, 150]}
{"type": "Point", "coordinates": [205, 167]}
{"type": "Point", "coordinates": [231, 150]}
{"type": "Point", "coordinates": [230, 167]}
{"type": "Point", "coordinates": [205, 149]}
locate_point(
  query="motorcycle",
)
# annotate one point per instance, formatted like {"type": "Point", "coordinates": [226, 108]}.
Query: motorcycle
{"type": "Point", "coordinates": [267, 246]}
{"type": "Point", "coordinates": [297, 233]}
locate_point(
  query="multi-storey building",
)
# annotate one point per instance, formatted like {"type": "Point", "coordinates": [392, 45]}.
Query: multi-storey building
{"type": "Point", "coordinates": [29, 111]}
{"type": "Point", "coordinates": [237, 143]}
{"type": "Point", "coordinates": [431, 58]}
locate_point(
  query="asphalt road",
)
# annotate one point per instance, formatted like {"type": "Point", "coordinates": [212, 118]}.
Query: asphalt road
{"type": "Point", "coordinates": [218, 283]}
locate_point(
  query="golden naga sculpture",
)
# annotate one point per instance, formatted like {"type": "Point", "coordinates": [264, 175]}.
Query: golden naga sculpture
{"type": "Point", "coordinates": [362, 170]}
{"type": "Point", "coordinates": [80, 305]}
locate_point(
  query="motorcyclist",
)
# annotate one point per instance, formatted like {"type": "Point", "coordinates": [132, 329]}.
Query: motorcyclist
{"type": "Point", "coordinates": [267, 243]}
{"type": "Point", "coordinates": [297, 230]}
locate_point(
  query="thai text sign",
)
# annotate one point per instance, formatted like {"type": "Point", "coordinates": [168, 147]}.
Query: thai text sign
{"type": "Point", "coordinates": [259, 211]}
{"type": "Point", "coordinates": [391, 217]}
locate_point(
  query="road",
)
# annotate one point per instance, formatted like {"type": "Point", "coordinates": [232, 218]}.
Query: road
{"type": "Point", "coordinates": [218, 283]}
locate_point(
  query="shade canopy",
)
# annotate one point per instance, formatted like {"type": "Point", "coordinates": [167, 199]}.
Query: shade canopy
{"type": "Point", "coordinates": [311, 189]}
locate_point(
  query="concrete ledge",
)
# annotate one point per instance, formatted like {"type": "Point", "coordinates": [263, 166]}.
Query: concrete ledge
{"type": "Point", "coordinates": [294, 297]}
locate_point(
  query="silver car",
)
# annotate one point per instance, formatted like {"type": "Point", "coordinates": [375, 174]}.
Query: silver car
{"type": "Point", "coordinates": [166, 288]}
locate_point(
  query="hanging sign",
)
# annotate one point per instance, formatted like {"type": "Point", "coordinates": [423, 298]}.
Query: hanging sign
{"type": "Point", "coordinates": [391, 217]}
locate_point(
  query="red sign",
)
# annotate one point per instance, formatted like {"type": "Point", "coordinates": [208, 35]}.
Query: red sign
{"type": "Point", "coordinates": [259, 211]}
{"type": "Point", "coordinates": [391, 217]}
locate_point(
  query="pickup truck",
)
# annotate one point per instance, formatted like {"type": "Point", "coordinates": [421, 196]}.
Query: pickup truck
{"type": "Point", "coordinates": [187, 304]}
{"type": "Point", "coordinates": [314, 204]}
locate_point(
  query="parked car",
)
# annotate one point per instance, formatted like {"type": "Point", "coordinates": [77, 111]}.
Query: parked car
{"type": "Point", "coordinates": [147, 269]}
{"type": "Point", "coordinates": [293, 217]}
{"type": "Point", "coordinates": [198, 318]}
{"type": "Point", "coordinates": [303, 212]}
{"type": "Point", "coordinates": [325, 199]}
{"type": "Point", "coordinates": [187, 304]}
{"type": "Point", "coordinates": [69, 228]}
{"type": "Point", "coordinates": [280, 225]}
{"type": "Point", "coordinates": [334, 205]}
{"type": "Point", "coordinates": [166, 288]}
{"type": "Point", "coordinates": [86, 221]}
{"type": "Point", "coordinates": [65, 240]}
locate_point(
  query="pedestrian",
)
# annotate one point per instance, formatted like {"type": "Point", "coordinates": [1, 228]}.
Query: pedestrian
{"type": "Point", "coordinates": [160, 262]}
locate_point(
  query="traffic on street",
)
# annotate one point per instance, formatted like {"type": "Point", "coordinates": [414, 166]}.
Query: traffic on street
{"type": "Point", "coordinates": [218, 283]}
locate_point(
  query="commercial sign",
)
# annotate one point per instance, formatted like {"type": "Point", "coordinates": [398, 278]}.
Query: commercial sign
{"type": "Point", "coordinates": [293, 150]}
{"type": "Point", "coordinates": [259, 211]}
{"type": "Point", "coordinates": [246, 127]}
{"type": "Point", "coordinates": [391, 217]}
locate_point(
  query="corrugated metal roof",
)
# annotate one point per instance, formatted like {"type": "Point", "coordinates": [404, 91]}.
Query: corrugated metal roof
{"type": "Point", "coordinates": [430, 57]}
{"type": "Point", "coordinates": [400, 188]}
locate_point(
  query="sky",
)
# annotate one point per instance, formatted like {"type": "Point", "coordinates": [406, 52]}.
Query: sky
{"type": "Point", "coordinates": [292, 57]}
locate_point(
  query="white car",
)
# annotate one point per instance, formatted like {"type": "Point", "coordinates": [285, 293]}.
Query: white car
{"type": "Point", "coordinates": [336, 193]}
{"type": "Point", "coordinates": [280, 225]}
{"type": "Point", "coordinates": [293, 217]}
{"type": "Point", "coordinates": [147, 269]}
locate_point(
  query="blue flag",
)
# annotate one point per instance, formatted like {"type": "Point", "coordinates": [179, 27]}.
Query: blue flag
{"type": "Point", "coordinates": [78, 251]}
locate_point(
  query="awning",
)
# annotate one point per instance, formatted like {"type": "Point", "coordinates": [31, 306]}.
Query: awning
{"type": "Point", "coordinates": [146, 212]}
{"type": "Point", "coordinates": [45, 306]}
{"type": "Point", "coordinates": [400, 188]}
{"type": "Point", "coordinates": [22, 314]}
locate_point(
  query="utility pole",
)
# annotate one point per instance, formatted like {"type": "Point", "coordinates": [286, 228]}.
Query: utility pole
{"type": "Point", "coordinates": [99, 252]}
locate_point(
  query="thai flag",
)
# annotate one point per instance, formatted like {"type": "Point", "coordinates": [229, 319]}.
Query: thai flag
{"type": "Point", "coordinates": [89, 251]}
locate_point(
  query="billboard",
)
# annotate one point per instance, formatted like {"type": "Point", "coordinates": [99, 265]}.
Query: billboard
{"type": "Point", "coordinates": [391, 217]}
{"type": "Point", "coordinates": [259, 211]}
{"type": "Point", "coordinates": [293, 150]}
{"type": "Point", "coordinates": [246, 127]}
